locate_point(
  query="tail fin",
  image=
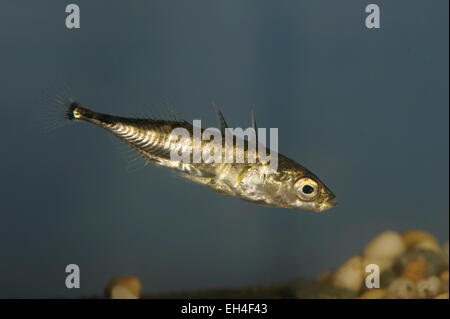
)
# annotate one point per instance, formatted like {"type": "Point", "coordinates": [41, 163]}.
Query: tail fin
{"type": "Point", "coordinates": [58, 110]}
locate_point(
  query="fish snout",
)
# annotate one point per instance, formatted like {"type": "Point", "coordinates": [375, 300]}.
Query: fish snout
{"type": "Point", "coordinates": [330, 202]}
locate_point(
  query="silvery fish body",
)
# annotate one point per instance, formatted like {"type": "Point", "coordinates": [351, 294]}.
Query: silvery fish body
{"type": "Point", "coordinates": [291, 185]}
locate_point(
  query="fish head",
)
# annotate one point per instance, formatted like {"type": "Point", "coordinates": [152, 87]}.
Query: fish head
{"type": "Point", "coordinates": [310, 193]}
{"type": "Point", "coordinates": [290, 186]}
{"type": "Point", "coordinates": [294, 186]}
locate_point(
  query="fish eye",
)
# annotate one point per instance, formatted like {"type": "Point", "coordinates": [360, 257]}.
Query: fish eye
{"type": "Point", "coordinates": [307, 189]}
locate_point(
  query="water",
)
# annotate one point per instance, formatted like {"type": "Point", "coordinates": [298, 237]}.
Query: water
{"type": "Point", "coordinates": [367, 110]}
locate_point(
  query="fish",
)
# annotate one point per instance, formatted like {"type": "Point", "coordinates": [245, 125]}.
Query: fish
{"type": "Point", "coordinates": [289, 186]}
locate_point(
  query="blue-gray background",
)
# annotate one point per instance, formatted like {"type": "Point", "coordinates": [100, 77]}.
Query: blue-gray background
{"type": "Point", "coordinates": [367, 110]}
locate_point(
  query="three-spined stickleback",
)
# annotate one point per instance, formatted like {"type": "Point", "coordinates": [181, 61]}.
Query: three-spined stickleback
{"type": "Point", "coordinates": [291, 185]}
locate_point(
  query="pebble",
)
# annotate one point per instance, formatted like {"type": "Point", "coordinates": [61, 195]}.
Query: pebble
{"type": "Point", "coordinates": [387, 245]}
{"type": "Point", "coordinates": [428, 288]}
{"type": "Point", "coordinates": [131, 283]}
{"type": "Point", "coordinates": [412, 265]}
{"type": "Point", "coordinates": [350, 274]}
{"type": "Point", "coordinates": [387, 277]}
{"type": "Point", "coordinates": [416, 269]}
{"type": "Point", "coordinates": [442, 296]}
{"type": "Point", "coordinates": [402, 288]}
{"type": "Point", "coordinates": [325, 278]}
{"type": "Point", "coordinates": [444, 280]}
{"type": "Point", "coordinates": [121, 292]}
{"type": "Point", "coordinates": [445, 252]}
{"type": "Point", "coordinates": [434, 261]}
{"type": "Point", "coordinates": [375, 293]}
{"type": "Point", "coordinates": [382, 263]}
{"type": "Point", "coordinates": [420, 239]}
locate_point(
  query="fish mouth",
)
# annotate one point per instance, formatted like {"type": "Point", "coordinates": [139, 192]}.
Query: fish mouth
{"type": "Point", "coordinates": [330, 203]}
